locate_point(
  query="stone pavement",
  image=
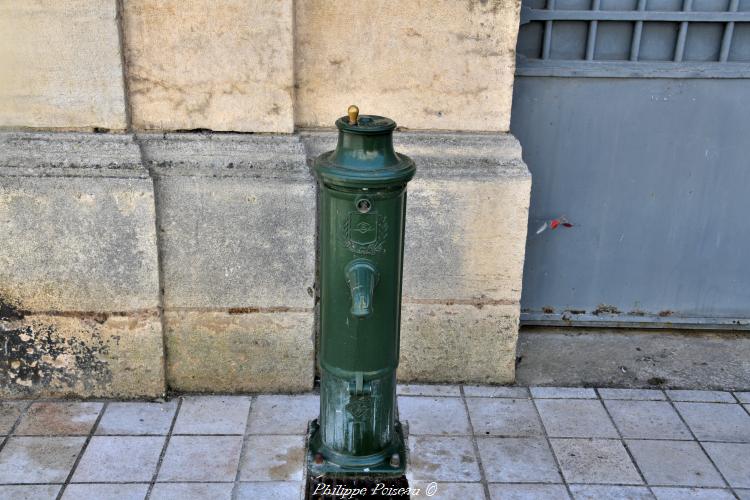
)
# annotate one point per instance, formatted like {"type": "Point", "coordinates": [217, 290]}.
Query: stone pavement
{"type": "Point", "coordinates": [473, 441]}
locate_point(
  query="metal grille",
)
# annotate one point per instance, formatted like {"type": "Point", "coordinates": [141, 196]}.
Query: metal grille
{"type": "Point", "coordinates": [635, 38]}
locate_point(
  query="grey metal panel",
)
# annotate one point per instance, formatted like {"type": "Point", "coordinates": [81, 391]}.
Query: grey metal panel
{"type": "Point", "coordinates": [654, 174]}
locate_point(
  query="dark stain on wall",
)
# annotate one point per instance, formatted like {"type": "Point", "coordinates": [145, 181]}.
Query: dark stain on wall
{"type": "Point", "coordinates": [34, 355]}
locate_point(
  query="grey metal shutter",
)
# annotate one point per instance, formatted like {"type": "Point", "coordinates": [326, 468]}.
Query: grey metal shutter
{"type": "Point", "coordinates": [634, 116]}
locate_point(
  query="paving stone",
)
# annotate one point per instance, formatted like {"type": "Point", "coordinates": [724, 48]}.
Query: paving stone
{"type": "Point", "coordinates": [119, 459]}
{"type": "Point", "coordinates": [59, 419]}
{"type": "Point", "coordinates": [743, 494]}
{"type": "Point", "coordinates": [137, 418]}
{"type": "Point", "coordinates": [647, 420]}
{"type": "Point", "coordinates": [575, 418]}
{"type": "Point", "coordinates": [524, 460]}
{"type": "Point", "coordinates": [504, 417]}
{"type": "Point", "coordinates": [273, 458]}
{"type": "Point", "coordinates": [428, 390]}
{"type": "Point", "coordinates": [428, 415]}
{"type": "Point", "coordinates": [488, 391]}
{"type": "Point", "coordinates": [716, 421]}
{"type": "Point", "coordinates": [105, 491]}
{"type": "Point", "coordinates": [218, 457]}
{"type": "Point", "coordinates": [30, 492]}
{"type": "Point", "coordinates": [9, 413]}
{"type": "Point", "coordinates": [744, 397]}
{"type": "Point", "coordinates": [633, 394]}
{"type": "Point", "coordinates": [281, 490]}
{"type": "Point", "coordinates": [283, 414]}
{"type": "Point", "coordinates": [446, 491]}
{"type": "Point", "coordinates": [701, 396]}
{"type": "Point", "coordinates": [591, 492]}
{"type": "Point", "coordinates": [599, 461]}
{"type": "Point", "coordinates": [38, 459]}
{"type": "Point", "coordinates": [733, 461]}
{"type": "Point", "coordinates": [674, 463]}
{"type": "Point", "coordinates": [527, 492]}
{"type": "Point", "coordinates": [212, 415]}
{"type": "Point", "coordinates": [192, 491]}
{"type": "Point", "coordinates": [563, 392]}
{"type": "Point", "coordinates": [449, 459]}
{"type": "Point", "coordinates": [692, 493]}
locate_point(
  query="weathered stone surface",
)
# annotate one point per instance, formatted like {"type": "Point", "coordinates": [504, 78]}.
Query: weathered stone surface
{"type": "Point", "coordinates": [203, 64]}
{"type": "Point", "coordinates": [78, 268]}
{"type": "Point", "coordinates": [428, 64]}
{"type": "Point", "coordinates": [61, 65]}
{"type": "Point", "coordinates": [236, 220]}
{"type": "Point", "coordinates": [466, 223]}
{"type": "Point", "coordinates": [89, 356]}
{"type": "Point", "coordinates": [458, 343]}
{"type": "Point", "coordinates": [623, 357]}
{"type": "Point", "coordinates": [77, 219]}
{"type": "Point", "coordinates": [225, 352]}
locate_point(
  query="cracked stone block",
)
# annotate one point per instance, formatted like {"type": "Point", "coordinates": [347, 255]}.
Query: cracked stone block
{"type": "Point", "coordinates": [215, 65]}
{"type": "Point", "coordinates": [429, 64]}
{"type": "Point", "coordinates": [62, 66]}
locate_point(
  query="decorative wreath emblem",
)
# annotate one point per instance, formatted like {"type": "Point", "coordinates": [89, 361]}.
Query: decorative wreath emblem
{"type": "Point", "coordinates": [360, 408]}
{"type": "Point", "coordinates": [365, 233]}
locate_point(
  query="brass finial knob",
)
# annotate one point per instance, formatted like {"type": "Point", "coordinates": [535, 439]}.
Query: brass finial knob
{"type": "Point", "coordinates": [353, 113]}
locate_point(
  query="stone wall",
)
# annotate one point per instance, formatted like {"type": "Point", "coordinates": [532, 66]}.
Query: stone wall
{"type": "Point", "coordinates": [79, 286]}
{"type": "Point", "coordinates": [152, 253]}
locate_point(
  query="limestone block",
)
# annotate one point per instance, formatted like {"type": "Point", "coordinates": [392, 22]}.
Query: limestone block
{"type": "Point", "coordinates": [204, 64]}
{"type": "Point", "coordinates": [115, 356]}
{"type": "Point", "coordinates": [61, 65]}
{"type": "Point", "coordinates": [78, 224]}
{"type": "Point", "coordinates": [467, 213]}
{"type": "Point", "coordinates": [236, 220]}
{"type": "Point", "coordinates": [458, 343]}
{"type": "Point", "coordinates": [221, 351]}
{"type": "Point", "coordinates": [428, 64]}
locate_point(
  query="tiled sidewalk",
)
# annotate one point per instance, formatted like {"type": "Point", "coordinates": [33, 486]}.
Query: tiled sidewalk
{"type": "Point", "coordinates": [475, 442]}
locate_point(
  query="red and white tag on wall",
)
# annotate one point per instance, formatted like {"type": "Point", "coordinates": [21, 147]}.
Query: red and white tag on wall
{"type": "Point", "coordinates": [554, 224]}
